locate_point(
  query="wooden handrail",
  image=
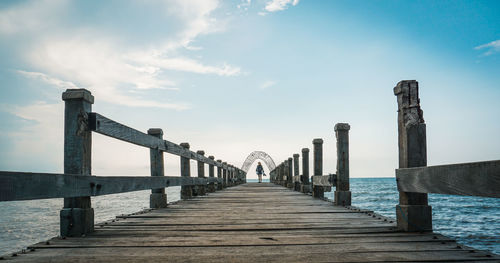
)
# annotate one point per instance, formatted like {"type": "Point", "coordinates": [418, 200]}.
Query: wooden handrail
{"type": "Point", "coordinates": [16, 186]}
{"type": "Point", "coordinates": [470, 179]}
{"type": "Point", "coordinates": [113, 129]}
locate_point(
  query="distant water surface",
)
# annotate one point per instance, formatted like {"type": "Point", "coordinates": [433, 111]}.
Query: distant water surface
{"type": "Point", "coordinates": [473, 221]}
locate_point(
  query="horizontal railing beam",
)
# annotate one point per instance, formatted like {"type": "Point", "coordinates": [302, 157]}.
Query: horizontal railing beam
{"type": "Point", "coordinates": [108, 127]}
{"type": "Point", "coordinates": [470, 179]}
{"type": "Point", "coordinates": [29, 186]}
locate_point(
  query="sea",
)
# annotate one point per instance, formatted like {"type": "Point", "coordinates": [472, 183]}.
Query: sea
{"type": "Point", "coordinates": [472, 221]}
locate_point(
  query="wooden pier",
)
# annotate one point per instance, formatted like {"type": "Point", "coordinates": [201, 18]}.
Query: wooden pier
{"type": "Point", "coordinates": [222, 218]}
{"type": "Point", "coordinates": [253, 223]}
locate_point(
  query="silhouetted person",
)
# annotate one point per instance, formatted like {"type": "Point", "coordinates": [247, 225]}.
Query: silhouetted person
{"type": "Point", "coordinates": [259, 171]}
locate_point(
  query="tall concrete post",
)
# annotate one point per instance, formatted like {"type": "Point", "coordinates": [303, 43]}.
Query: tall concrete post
{"type": "Point", "coordinates": [296, 184]}
{"type": "Point", "coordinates": [158, 197]}
{"type": "Point", "coordinates": [77, 215]}
{"type": "Point", "coordinates": [224, 175]}
{"type": "Point", "coordinates": [318, 191]}
{"type": "Point", "coordinates": [342, 192]}
{"type": "Point", "coordinates": [201, 189]}
{"type": "Point", "coordinates": [413, 212]}
{"type": "Point", "coordinates": [305, 187]}
{"type": "Point", "coordinates": [186, 190]}
{"type": "Point", "coordinates": [289, 180]}
{"type": "Point", "coordinates": [219, 175]}
{"type": "Point", "coordinates": [211, 174]}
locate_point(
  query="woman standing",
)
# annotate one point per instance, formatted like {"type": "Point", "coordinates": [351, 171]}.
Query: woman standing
{"type": "Point", "coordinates": [259, 171]}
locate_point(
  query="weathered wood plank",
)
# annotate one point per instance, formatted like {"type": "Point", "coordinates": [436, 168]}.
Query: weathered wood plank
{"type": "Point", "coordinates": [292, 253]}
{"type": "Point", "coordinates": [108, 127]}
{"type": "Point", "coordinates": [471, 179]}
{"type": "Point", "coordinates": [29, 186]}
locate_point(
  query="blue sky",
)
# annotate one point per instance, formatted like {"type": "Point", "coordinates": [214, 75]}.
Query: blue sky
{"type": "Point", "coordinates": [231, 77]}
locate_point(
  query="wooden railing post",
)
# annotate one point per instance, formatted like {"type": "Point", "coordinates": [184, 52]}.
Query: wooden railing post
{"type": "Point", "coordinates": [342, 192]}
{"type": "Point", "coordinates": [211, 186]}
{"type": "Point", "coordinates": [289, 179]}
{"type": "Point", "coordinates": [318, 191]}
{"type": "Point", "coordinates": [219, 175]}
{"type": "Point", "coordinates": [231, 175]}
{"type": "Point", "coordinates": [283, 174]}
{"type": "Point", "coordinates": [305, 187]}
{"type": "Point", "coordinates": [224, 175]}
{"type": "Point", "coordinates": [186, 190]}
{"type": "Point", "coordinates": [277, 174]}
{"type": "Point", "coordinates": [296, 184]}
{"type": "Point", "coordinates": [201, 189]}
{"type": "Point", "coordinates": [158, 198]}
{"type": "Point", "coordinates": [77, 216]}
{"type": "Point", "coordinates": [413, 212]}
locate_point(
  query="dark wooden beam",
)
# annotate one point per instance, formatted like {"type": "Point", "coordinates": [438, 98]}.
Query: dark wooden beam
{"type": "Point", "coordinates": [28, 186]}
{"type": "Point", "coordinates": [108, 127]}
{"type": "Point", "coordinates": [471, 179]}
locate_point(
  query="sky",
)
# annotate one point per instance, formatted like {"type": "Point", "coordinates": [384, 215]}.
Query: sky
{"type": "Point", "coordinates": [233, 77]}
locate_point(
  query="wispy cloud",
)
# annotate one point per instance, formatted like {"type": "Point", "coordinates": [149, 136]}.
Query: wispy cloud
{"type": "Point", "coordinates": [90, 57]}
{"type": "Point", "coordinates": [48, 79]}
{"type": "Point", "coordinates": [491, 48]}
{"type": "Point", "coordinates": [267, 84]}
{"type": "Point", "coordinates": [278, 5]}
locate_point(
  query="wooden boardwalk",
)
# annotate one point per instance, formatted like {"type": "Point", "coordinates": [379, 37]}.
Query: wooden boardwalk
{"type": "Point", "coordinates": [252, 223]}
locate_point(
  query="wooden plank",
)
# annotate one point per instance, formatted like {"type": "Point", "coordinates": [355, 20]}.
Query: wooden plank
{"type": "Point", "coordinates": [471, 179]}
{"type": "Point", "coordinates": [108, 127]}
{"type": "Point", "coordinates": [345, 243]}
{"type": "Point", "coordinates": [292, 253]}
{"type": "Point", "coordinates": [28, 186]}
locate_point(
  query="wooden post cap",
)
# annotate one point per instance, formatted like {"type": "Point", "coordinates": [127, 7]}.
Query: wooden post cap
{"type": "Point", "coordinates": [400, 87]}
{"type": "Point", "coordinates": [219, 161]}
{"type": "Point", "coordinates": [290, 159]}
{"type": "Point", "coordinates": [78, 94]}
{"type": "Point", "coordinates": [296, 155]}
{"type": "Point", "coordinates": [318, 141]}
{"type": "Point", "coordinates": [155, 131]}
{"type": "Point", "coordinates": [211, 157]}
{"type": "Point", "coordinates": [200, 152]}
{"type": "Point", "coordinates": [342, 127]}
{"type": "Point", "coordinates": [305, 150]}
{"type": "Point", "coordinates": [184, 145]}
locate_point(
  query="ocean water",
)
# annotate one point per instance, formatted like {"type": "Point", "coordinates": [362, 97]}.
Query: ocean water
{"type": "Point", "coordinates": [23, 223]}
{"type": "Point", "coordinates": [473, 221]}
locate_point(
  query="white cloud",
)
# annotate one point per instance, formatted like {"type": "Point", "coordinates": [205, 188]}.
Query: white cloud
{"type": "Point", "coordinates": [184, 64]}
{"type": "Point", "coordinates": [116, 72]}
{"type": "Point", "coordinates": [196, 19]}
{"type": "Point", "coordinates": [267, 84]}
{"type": "Point", "coordinates": [491, 48]}
{"type": "Point", "coordinates": [48, 79]}
{"type": "Point", "coordinates": [279, 5]}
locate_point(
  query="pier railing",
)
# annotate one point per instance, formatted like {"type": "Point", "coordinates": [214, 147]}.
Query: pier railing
{"type": "Point", "coordinates": [76, 185]}
{"type": "Point", "coordinates": [414, 178]}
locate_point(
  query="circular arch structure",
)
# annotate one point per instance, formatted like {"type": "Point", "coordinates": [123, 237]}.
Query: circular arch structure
{"type": "Point", "coordinates": [258, 155]}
